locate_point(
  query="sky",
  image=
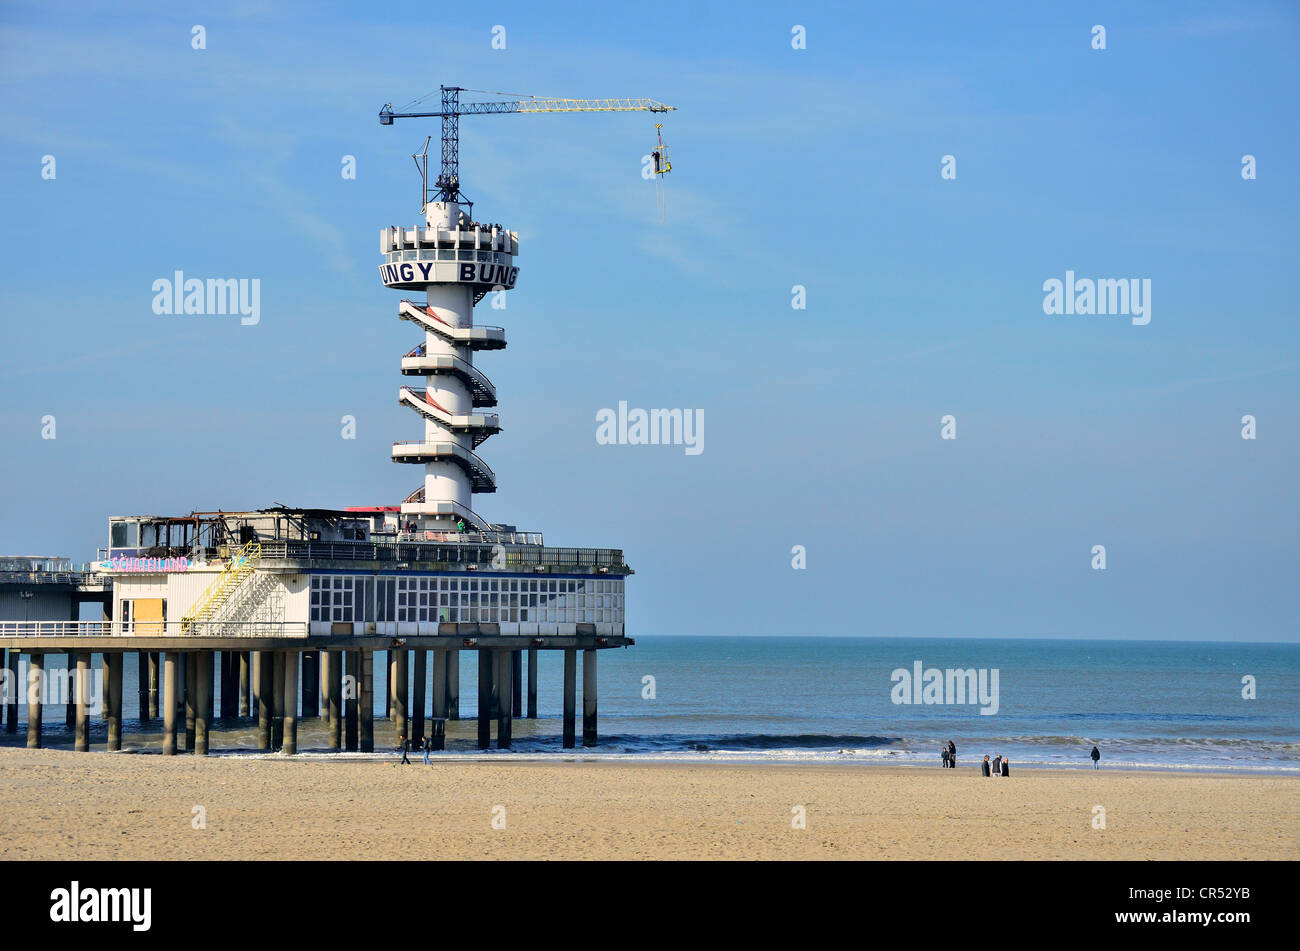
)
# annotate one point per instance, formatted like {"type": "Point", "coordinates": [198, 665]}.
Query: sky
{"type": "Point", "coordinates": [820, 167]}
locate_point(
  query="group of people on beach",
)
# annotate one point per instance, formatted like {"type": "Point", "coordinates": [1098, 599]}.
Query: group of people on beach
{"type": "Point", "coordinates": [419, 743]}
{"type": "Point", "coordinates": [1001, 766]}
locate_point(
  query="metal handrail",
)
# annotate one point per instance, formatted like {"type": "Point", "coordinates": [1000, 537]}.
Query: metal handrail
{"type": "Point", "coordinates": [153, 629]}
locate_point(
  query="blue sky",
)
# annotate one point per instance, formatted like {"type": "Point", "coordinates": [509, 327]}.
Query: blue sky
{"type": "Point", "coordinates": [818, 167]}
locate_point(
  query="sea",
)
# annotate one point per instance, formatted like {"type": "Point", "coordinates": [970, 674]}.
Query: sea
{"type": "Point", "coordinates": [1148, 705]}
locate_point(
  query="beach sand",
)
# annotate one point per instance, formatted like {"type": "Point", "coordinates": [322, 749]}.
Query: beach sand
{"type": "Point", "coordinates": [62, 805]}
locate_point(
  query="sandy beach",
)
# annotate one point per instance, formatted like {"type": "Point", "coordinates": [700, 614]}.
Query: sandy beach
{"type": "Point", "coordinates": [62, 805]}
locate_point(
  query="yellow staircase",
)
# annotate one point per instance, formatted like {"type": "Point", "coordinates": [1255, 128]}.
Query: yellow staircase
{"type": "Point", "coordinates": [242, 564]}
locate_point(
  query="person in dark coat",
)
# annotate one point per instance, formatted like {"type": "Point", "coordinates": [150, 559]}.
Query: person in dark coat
{"type": "Point", "coordinates": [984, 767]}
{"type": "Point", "coordinates": [401, 742]}
{"type": "Point", "coordinates": [1096, 758]}
{"type": "Point", "coordinates": [952, 754]}
{"type": "Point", "coordinates": [943, 756]}
{"type": "Point", "coordinates": [1006, 766]}
{"type": "Point", "coordinates": [997, 765]}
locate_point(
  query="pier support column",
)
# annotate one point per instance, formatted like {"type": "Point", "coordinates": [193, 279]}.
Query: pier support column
{"type": "Point", "coordinates": [438, 725]}
{"type": "Point", "coordinates": [229, 681]}
{"type": "Point", "coordinates": [70, 708]}
{"type": "Point", "coordinates": [516, 691]}
{"type": "Point", "coordinates": [35, 693]}
{"type": "Point", "coordinates": [153, 684]}
{"type": "Point", "coordinates": [11, 715]}
{"type": "Point", "coordinates": [170, 674]}
{"type": "Point", "coordinates": [352, 688]}
{"type": "Point", "coordinates": [191, 699]}
{"type": "Point", "coordinates": [335, 698]}
{"type": "Point", "coordinates": [366, 712]}
{"type": "Point", "coordinates": [401, 724]}
{"type": "Point", "coordinates": [277, 700]}
{"type": "Point", "coordinates": [262, 693]}
{"type": "Point", "coordinates": [291, 701]}
{"type": "Point", "coordinates": [589, 697]}
{"type": "Point", "coordinates": [506, 663]}
{"type": "Point", "coordinates": [113, 698]}
{"type": "Point", "coordinates": [142, 684]}
{"type": "Point", "coordinates": [419, 675]}
{"type": "Point", "coordinates": [4, 663]}
{"type": "Point", "coordinates": [453, 685]}
{"type": "Point", "coordinates": [244, 665]}
{"type": "Point", "coordinates": [205, 664]}
{"type": "Point", "coordinates": [310, 684]}
{"type": "Point", "coordinates": [570, 695]}
{"type": "Point", "coordinates": [532, 683]}
{"type": "Point", "coordinates": [80, 684]}
{"type": "Point", "coordinates": [388, 684]}
{"type": "Point", "coordinates": [103, 674]}
{"type": "Point", "coordinates": [485, 659]}
{"type": "Point", "coordinates": [326, 682]}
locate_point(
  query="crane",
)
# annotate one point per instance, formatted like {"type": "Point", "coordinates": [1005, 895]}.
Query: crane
{"type": "Point", "coordinates": [448, 184]}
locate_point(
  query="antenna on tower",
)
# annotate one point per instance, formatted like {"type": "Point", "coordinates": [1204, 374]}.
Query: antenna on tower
{"type": "Point", "coordinates": [421, 160]}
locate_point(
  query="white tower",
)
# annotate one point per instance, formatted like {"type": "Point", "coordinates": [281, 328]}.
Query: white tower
{"type": "Point", "coordinates": [454, 263]}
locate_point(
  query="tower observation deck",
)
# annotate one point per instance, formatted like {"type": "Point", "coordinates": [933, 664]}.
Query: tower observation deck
{"type": "Point", "coordinates": [452, 263]}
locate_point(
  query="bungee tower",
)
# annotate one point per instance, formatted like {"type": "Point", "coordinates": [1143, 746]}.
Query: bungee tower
{"type": "Point", "coordinates": [451, 263]}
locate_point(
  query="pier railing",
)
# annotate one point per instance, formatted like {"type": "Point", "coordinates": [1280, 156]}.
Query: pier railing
{"type": "Point", "coordinates": [195, 629]}
{"type": "Point", "coordinates": [495, 555]}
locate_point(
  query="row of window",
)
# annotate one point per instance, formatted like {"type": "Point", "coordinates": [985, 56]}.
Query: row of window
{"type": "Point", "coordinates": [448, 254]}
{"type": "Point", "coordinates": [425, 598]}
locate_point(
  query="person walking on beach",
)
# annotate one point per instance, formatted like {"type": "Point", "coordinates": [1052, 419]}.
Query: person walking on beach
{"type": "Point", "coordinates": [952, 754]}
{"type": "Point", "coordinates": [1006, 766]}
{"type": "Point", "coordinates": [943, 755]}
{"type": "Point", "coordinates": [984, 767]}
{"type": "Point", "coordinates": [997, 765]}
{"type": "Point", "coordinates": [1096, 758]}
{"type": "Point", "coordinates": [428, 747]}
{"type": "Point", "coordinates": [401, 742]}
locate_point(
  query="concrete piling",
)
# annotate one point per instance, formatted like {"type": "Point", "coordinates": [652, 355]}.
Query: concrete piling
{"type": "Point", "coordinates": [516, 691]}
{"type": "Point", "coordinates": [170, 673]}
{"type": "Point", "coordinates": [484, 699]}
{"type": "Point", "coordinates": [325, 680]}
{"type": "Point", "coordinates": [418, 676]}
{"type": "Point", "coordinates": [35, 694]}
{"type": "Point", "coordinates": [366, 703]}
{"type": "Point", "coordinates": [80, 695]}
{"type": "Point", "coordinates": [401, 724]}
{"type": "Point", "coordinates": [350, 686]}
{"type": "Point", "coordinates": [262, 685]}
{"type": "Point", "coordinates": [11, 715]}
{"type": "Point", "coordinates": [245, 662]}
{"type": "Point", "coordinates": [310, 684]}
{"type": "Point", "coordinates": [142, 684]}
{"type": "Point", "coordinates": [532, 683]}
{"type": "Point", "coordinates": [205, 665]}
{"type": "Point", "coordinates": [335, 711]}
{"type": "Point", "coordinates": [589, 698]}
{"type": "Point", "coordinates": [453, 685]}
{"type": "Point", "coordinates": [570, 696]}
{"type": "Point", "coordinates": [70, 707]}
{"type": "Point", "coordinates": [505, 672]}
{"type": "Point", "coordinates": [291, 701]}
{"type": "Point", "coordinates": [153, 684]}
{"type": "Point", "coordinates": [277, 699]}
{"type": "Point", "coordinates": [113, 689]}
{"type": "Point", "coordinates": [191, 699]}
